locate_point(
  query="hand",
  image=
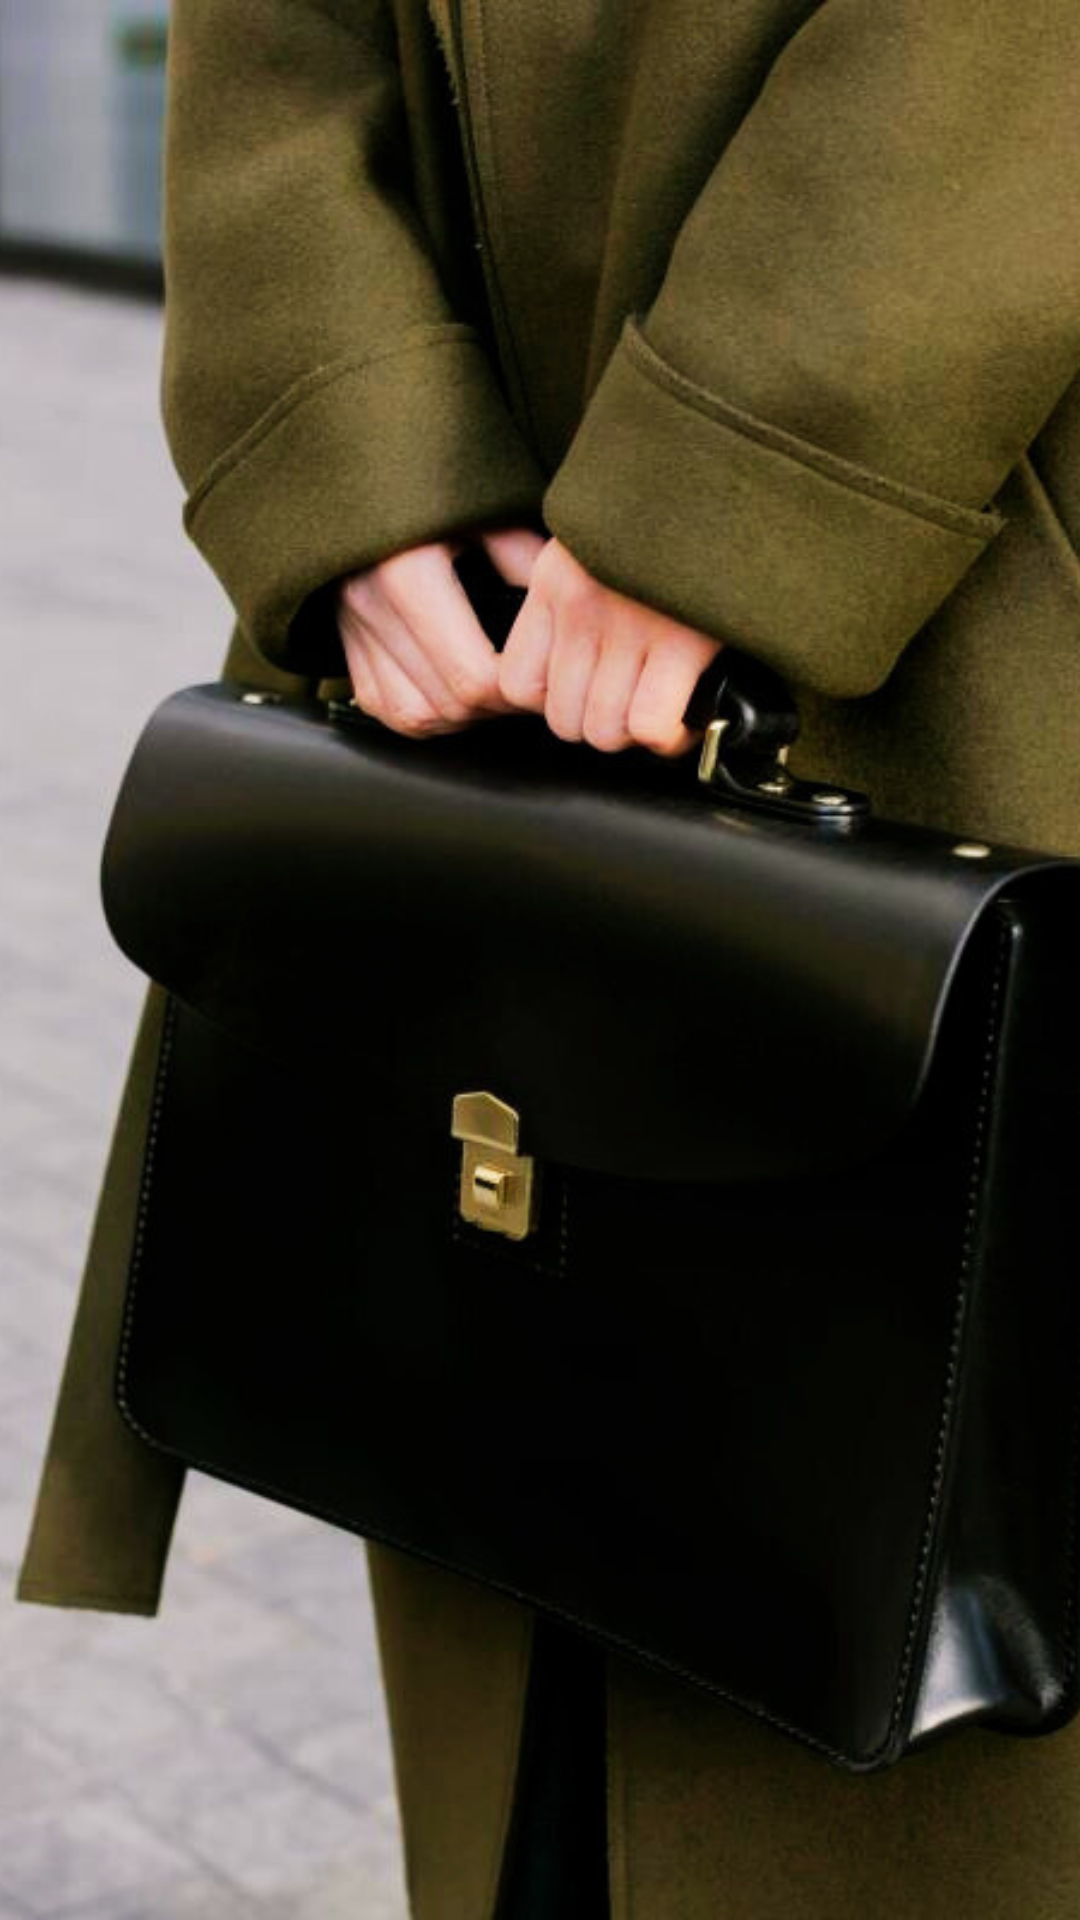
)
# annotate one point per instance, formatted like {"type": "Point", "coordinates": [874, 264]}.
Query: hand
{"type": "Point", "coordinates": [599, 665]}
{"type": "Point", "coordinates": [418, 658]}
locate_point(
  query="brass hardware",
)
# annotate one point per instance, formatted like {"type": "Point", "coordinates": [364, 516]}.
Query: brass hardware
{"type": "Point", "coordinates": [491, 1188]}
{"type": "Point", "coordinates": [498, 1184]}
{"type": "Point", "coordinates": [972, 850]}
{"type": "Point", "coordinates": [762, 780]}
{"type": "Point", "coordinates": [710, 750]}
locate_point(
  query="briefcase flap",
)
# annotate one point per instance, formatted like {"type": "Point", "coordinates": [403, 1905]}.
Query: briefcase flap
{"type": "Point", "coordinates": [663, 985]}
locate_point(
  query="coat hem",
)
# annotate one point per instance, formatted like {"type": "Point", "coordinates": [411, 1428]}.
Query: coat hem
{"type": "Point", "coordinates": [103, 1600]}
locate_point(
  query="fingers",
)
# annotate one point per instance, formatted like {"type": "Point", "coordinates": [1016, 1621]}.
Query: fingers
{"type": "Point", "coordinates": [418, 657]}
{"type": "Point", "coordinates": [668, 677]}
{"type": "Point", "coordinates": [455, 643]}
{"type": "Point", "coordinates": [514, 551]}
{"type": "Point", "coordinates": [523, 664]}
{"type": "Point", "coordinates": [606, 719]}
{"type": "Point", "coordinates": [601, 666]}
{"type": "Point", "coordinates": [397, 640]}
{"type": "Point", "coordinates": [384, 689]}
{"type": "Point", "coordinates": [575, 655]}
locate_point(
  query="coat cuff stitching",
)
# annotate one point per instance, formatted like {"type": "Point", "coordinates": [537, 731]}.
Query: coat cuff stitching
{"type": "Point", "coordinates": [453, 333]}
{"type": "Point", "coordinates": [968, 523]}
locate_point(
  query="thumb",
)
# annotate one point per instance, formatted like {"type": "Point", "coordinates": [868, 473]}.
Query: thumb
{"type": "Point", "coordinates": [513, 551]}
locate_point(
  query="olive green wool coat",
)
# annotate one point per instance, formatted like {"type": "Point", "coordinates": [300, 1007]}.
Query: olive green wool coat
{"type": "Point", "coordinates": [770, 310]}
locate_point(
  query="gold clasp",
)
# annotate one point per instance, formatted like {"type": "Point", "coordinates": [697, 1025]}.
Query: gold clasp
{"type": "Point", "coordinates": [498, 1184]}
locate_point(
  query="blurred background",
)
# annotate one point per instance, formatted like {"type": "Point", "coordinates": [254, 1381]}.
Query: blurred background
{"type": "Point", "coordinates": [82, 87]}
{"type": "Point", "coordinates": [229, 1757]}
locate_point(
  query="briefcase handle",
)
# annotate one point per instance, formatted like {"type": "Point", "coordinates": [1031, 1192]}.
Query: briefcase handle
{"type": "Point", "coordinates": [749, 717]}
{"type": "Point", "coordinates": [751, 723]}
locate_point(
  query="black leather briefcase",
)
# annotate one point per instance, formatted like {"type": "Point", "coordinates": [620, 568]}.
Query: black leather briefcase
{"type": "Point", "coordinates": [650, 1198]}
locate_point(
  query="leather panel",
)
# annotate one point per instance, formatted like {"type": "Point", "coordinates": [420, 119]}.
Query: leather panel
{"type": "Point", "coordinates": [708, 1421]}
{"type": "Point", "coordinates": [272, 868]}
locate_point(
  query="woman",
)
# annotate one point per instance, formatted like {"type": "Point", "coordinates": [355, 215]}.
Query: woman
{"type": "Point", "coordinates": [757, 322]}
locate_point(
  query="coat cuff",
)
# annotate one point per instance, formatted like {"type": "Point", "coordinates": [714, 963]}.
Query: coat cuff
{"type": "Point", "coordinates": [356, 461]}
{"type": "Point", "coordinates": [822, 568]}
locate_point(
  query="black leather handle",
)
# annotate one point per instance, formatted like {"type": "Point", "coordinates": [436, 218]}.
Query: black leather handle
{"type": "Point", "coordinates": [745, 710]}
{"type": "Point", "coordinates": [762, 718]}
{"type": "Point", "coordinates": [755, 700]}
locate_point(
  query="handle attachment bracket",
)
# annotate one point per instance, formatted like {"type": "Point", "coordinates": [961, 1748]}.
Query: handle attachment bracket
{"type": "Point", "coordinates": [751, 723]}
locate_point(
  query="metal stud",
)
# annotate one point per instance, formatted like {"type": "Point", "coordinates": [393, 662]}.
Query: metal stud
{"type": "Point", "coordinates": [830, 799]}
{"type": "Point", "coordinates": [259, 699]}
{"type": "Point", "coordinates": [972, 850]}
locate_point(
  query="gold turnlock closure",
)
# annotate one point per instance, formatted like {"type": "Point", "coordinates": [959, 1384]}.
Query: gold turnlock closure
{"type": "Point", "coordinates": [498, 1184]}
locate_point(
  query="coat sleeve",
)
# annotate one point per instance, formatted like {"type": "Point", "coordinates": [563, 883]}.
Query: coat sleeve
{"type": "Point", "coordinates": [867, 314]}
{"type": "Point", "coordinates": [323, 404]}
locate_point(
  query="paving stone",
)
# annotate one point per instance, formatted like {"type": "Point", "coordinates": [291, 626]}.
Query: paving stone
{"type": "Point", "coordinates": [178, 1781]}
{"type": "Point", "coordinates": [295, 1568]}
{"type": "Point", "coordinates": [276, 1842]}
{"type": "Point", "coordinates": [333, 1615]}
{"type": "Point", "coordinates": [35, 1638]}
{"type": "Point", "coordinates": [81, 1850]}
{"type": "Point", "coordinates": [28, 1372]}
{"type": "Point", "coordinates": [202, 1627]}
{"type": "Point", "coordinates": [189, 1899]}
{"type": "Point", "coordinates": [98, 1709]}
{"type": "Point", "coordinates": [221, 1521]}
{"type": "Point", "coordinates": [229, 1757]}
{"type": "Point", "coordinates": [280, 1702]}
{"type": "Point", "coordinates": [43, 1214]}
{"type": "Point", "coordinates": [365, 1887]}
{"type": "Point", "coordinates": [35, 1774]}
{"type": "Point", "coordinates": [35, 1308]}
{"type": "Point", "coordinates": [351, 1756]}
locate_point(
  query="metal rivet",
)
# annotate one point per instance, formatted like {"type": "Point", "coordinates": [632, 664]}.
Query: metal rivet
{"type": "Point", "coordinates": [829, 799]}
{"type": "Point", "coordinates": [259, 699]}
{"type": "Point", "coordinates": [972, 850]}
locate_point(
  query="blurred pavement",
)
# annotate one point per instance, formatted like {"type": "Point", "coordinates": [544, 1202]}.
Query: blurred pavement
{"type": "Point", "coordinates": [229, 1757]}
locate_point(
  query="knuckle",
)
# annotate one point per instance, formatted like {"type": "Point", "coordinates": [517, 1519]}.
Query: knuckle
{"type": "Point", "coordinates": [655, 731]}
{"type": "Point", "coordinates": [409, 717]}
{"type": "Point", "coordinates": [578, 602]}
{"type": "Point", "coordinates": [544, 566]}
{"type": "Point", "coordinates": [354, 594]}
{"type": "Point", "coordinates": [524, 688]}
{"type": "Point", "coordinates": [517, 670]}
{"type": "Point", "coordinates": [395, 576]}
{"type": "Point", "coordinates": [470, 688]}
{"type": "Point", "coordinates": [560, 723]}
{"type": "Point", "coordinates": [606, 734]}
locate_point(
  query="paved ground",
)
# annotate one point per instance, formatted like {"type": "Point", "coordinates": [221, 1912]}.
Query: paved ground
{"type": "Point", "coordinates": [228, 1758]}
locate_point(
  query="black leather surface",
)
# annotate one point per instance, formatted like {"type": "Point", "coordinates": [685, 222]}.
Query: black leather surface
{"type": "Point", "coordinates": [1003, 1624]}
{"type": "Point", "coordinates": [783, 1394]}
{"type": "Point", "coordinates": [276, 869]}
